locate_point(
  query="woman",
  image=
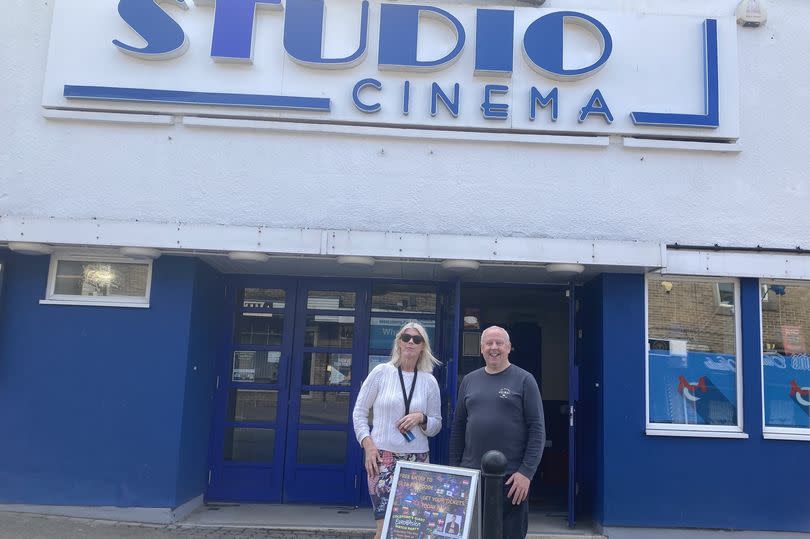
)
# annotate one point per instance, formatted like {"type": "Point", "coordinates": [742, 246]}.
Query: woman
{"type": "Point", "coordinates": [404, 397]}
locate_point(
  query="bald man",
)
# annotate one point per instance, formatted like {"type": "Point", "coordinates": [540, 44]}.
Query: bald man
{"type": "Point", "coordinates": [499, 407]}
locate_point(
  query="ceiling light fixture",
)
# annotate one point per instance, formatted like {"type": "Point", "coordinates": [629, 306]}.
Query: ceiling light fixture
{"type": "Point", "coordinates": [248, 256]}
{"type": "Point", "coordinates": [30, 248]}
{"type": "Point", "coordinates": [357, 261]}
{"type": "Point", "coordinates": [460, 266]}
{"type": "Point", "coordinates": [146, 253]}
{"type": "Point", "coordinates": [565, 268]}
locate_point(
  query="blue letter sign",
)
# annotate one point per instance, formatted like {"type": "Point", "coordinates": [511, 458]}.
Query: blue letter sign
{"type": "Point", "coordinates": [711, 91]}
{"type": "Point", "coordinates": [399, 25]}
{"type": "Point", "coordinates": [164, 37]}
{"type": "Point", "coordinates": [543, 45]}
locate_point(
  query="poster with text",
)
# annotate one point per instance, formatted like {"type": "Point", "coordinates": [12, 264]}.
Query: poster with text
{"type": "Point", "coordinates": [786, 390]}
{"type": "Point", "coordinates": [430, 501]}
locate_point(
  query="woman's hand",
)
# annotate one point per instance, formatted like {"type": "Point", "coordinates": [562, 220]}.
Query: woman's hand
{"type": "Point", "coordinates": [372, 460]}
{"type": "Point", "coordinates": [410, 421]}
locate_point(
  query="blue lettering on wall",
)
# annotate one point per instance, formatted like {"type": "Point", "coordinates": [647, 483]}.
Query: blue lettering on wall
{"type": "Point", "coordinates": [711, 90]}
{"type": "Point", "coordinates": [550, 99]}
{"type": "Point", "coordinates": [436, 94]}
{"type": "Point", "coordinates": [375, 107]}
{"type": "Point", "coordinates": [164, 37]}
{"type": "Point", "coordinates": [494, 111]}
{"type": "Point", "coordinates": [406, 97]}
{"type": "Point", "coordinates": [543, 45]}
{"type": "Point", "coordinates": [399, 25]}
{"type": "Point", "coordinates": [303, 35]}
{"type": "Point", "coordinates": [235, 28]}
{"type": "Point", "coordinates": [494, 40]}
{"type": "Point", "coordinates": [596, 105]}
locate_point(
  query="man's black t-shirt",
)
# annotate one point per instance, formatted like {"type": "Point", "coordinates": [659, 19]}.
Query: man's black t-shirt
{"type": "Point", "coordinates": [502, 411]}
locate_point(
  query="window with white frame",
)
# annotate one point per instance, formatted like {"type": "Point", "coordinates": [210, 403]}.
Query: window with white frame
{"type": "Point", "coordinates": [92, 280]}
{"type": "Point", "coordinates": [785, 360]}
{"type": "Point", "coordinates": [693, 375]}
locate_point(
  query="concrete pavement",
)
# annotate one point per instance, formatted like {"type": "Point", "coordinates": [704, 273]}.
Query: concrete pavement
{"type": "Point", "coordinates": [31, 526]}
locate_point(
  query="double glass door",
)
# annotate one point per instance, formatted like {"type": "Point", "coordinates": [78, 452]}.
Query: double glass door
{"type": "Point", "coordinates": [295, 359]}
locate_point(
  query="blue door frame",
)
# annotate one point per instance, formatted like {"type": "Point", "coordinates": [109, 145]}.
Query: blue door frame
{"type": "Point", "coordinates": [322, 458]}
{"type": "Point", "coordinates": [573, 398]}
{"type": "Point", "coordinates": [250, 478]}
{"type": "Point", "coordinates": [282, 478]}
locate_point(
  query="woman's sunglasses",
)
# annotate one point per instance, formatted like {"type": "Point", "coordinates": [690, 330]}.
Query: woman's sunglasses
{"type": "Point", "coordinates": [406, 337]}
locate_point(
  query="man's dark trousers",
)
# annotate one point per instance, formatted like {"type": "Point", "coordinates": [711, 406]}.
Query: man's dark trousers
{"type": "Point", "coordinates": [515, 517]}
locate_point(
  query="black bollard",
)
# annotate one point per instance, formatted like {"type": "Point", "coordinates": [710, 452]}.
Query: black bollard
{"type": "Point", "coordinates": [493, 465]}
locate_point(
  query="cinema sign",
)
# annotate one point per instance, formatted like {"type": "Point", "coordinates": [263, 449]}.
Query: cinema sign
{"type": "Point", "coordinates": [402, 65]}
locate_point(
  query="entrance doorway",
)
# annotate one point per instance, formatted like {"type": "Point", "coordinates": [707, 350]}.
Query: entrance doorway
{"type": "Point", "coordinates": [296, 356]}
{"type": "Point", "coordinates": [538, 322]}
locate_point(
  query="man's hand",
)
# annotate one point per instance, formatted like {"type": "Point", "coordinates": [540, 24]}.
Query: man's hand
{"type": "Point", "coordinates": [519, 488]}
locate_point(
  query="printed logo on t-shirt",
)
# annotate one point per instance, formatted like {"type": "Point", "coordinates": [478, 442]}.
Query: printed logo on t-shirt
{"type": "Point", "coordinates": [504, 393]}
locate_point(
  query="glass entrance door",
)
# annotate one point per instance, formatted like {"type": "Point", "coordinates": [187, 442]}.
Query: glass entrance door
{"type": "Point", "coordinates": [322, 458]}
{"type": "Point", "coordinates": [251, 403]}
{"type": "Point", "coordinates": [293, 360]}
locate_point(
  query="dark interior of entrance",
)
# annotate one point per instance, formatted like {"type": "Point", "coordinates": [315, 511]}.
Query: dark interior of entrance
{"type": "Point", "coordinates": [537, 322]}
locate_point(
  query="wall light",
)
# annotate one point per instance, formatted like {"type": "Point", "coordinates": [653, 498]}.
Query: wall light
{"type": "Point", "coordinates": [667, 286]}
{"type": "Point", "coordinates": [751, 13]}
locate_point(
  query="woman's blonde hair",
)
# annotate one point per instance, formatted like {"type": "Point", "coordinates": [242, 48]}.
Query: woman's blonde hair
{"type": "Point", "coordinates": [426, 360]}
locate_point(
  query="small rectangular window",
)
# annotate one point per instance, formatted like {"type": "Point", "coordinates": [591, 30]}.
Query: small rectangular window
{"type": "Point", "coordinates": [401, 298]}
{"type": "Point", "coordinates": [105, 281]}
{"type": "Point", "coordinates": [693, 376]}
{"type": "Point", "coordinates": [786, 360]}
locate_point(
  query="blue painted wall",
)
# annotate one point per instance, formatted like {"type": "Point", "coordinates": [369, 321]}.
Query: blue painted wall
{"type": "Point", "coordinates": [94, 401]}
{"type": "Point", "coordinates": [208, 316]}
{"type": "Point", "coordinates": [751, 484]}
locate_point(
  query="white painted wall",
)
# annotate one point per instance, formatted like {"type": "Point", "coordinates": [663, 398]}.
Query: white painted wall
{"type": "Point", "coordinates": [82, 170]}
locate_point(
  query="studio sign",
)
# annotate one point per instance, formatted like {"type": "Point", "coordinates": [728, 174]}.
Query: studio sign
{"type": "Point", "coordinates": [232, 39]}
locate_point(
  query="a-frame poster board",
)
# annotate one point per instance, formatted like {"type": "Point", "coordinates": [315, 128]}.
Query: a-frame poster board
{"type": "Point", "coordinates": [429, 501]}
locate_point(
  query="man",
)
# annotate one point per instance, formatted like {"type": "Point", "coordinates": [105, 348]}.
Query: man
{"type": "Point", "coordinates": [451, 527]}
{"type": "Point", "coordinates": [499, 407]}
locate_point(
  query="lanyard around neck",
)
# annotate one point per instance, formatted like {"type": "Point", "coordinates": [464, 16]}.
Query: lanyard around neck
{"type": "Point", "coordinates": [407, 397]}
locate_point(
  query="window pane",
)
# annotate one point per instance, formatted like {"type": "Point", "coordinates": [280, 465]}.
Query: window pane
{"type": "Point", "coordinates": [263, 298]}
{"type": "Point", "coordinates": [725, 293]}
{"type": "Point", "coordinates": [692, 357]}
{"type": "Point", "coordinates": [259, 328]}
{"type": "Point", "coordinates": [322, 330]}
{"type": "Point", "coordinates": [383, 330]}
{"type": "Point", "coordinates": [78, 278]}
{"type": "Point", "coordinates": [404, 299]}
{"type": "Point", "coordinates": [785, 359]}
{"type": "Point", "coordinates": [324, 407]}
{"type": "Point", "coordinates": [331, 300]}
{"type": "Point", "coordinates": [374, 360]}
{"type": "Point", "coordinates": [321, 369]}
{"type": "Point", "coordinates": [252, 366]}
{"type": "Point", "coordinates": [253, 445]}
{"type": "Point", "coordinates": [321, 447]}
{"type": "Point", "coordinates": [253, 405]}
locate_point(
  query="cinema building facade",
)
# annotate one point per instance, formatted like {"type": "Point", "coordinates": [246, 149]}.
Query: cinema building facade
{"type": "Point", "coordinates": [215, 216]}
